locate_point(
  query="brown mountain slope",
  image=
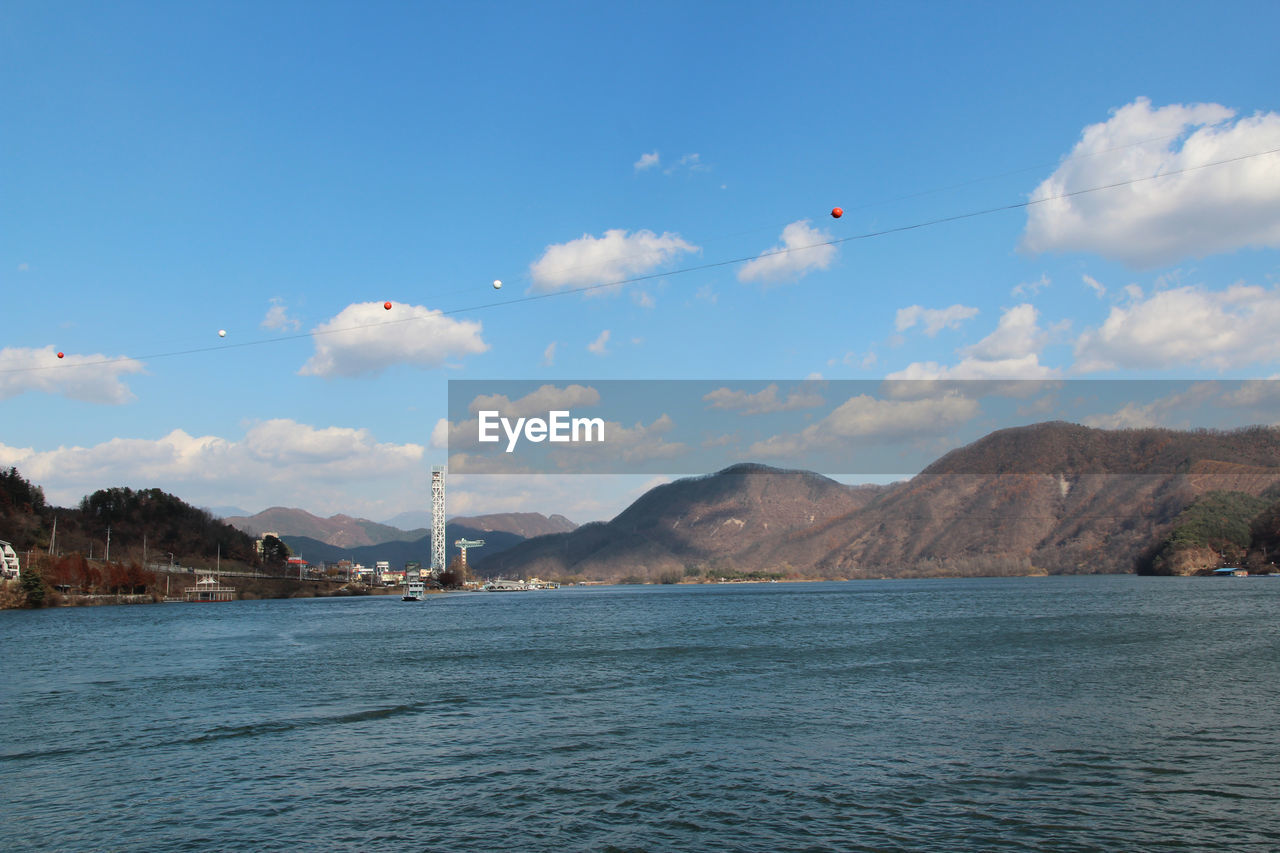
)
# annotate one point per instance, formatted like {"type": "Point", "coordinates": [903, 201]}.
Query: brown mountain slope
{"type": "Point", "coordinates": [526, 524]}
{"type": "Point", "coordinates": [1058, 498]}
{"type": "Point", "coordinates": [342, 531]}
{"type": "Point", "coordinates": [1054, 497]}
{"type": "Point", "coordinates": [693, 523]}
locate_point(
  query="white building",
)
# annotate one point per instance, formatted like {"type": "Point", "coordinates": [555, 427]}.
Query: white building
{"type": "Point", "coordinates": [8, 562]}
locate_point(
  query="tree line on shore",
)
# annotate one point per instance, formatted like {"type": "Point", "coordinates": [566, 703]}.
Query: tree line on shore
{"type": "Point", "coordinates": [104, 545]}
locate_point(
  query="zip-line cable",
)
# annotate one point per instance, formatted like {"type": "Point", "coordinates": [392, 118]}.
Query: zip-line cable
{"type": "Point", "coordinates": [622, 282]}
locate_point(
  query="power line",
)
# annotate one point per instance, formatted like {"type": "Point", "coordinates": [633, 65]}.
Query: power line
{"type": "Point", "coordinates": [535, 297]}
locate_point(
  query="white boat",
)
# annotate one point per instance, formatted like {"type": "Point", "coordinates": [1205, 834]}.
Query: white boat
{"type": "Point", "coordinates": [414, 591]}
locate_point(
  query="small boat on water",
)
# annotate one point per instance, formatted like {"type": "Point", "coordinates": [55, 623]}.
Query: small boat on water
{"type": "Point", "coordinates": [414, 591]}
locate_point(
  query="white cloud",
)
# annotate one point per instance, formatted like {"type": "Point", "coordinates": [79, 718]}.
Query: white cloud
{"type": "Point", "coordinates": [1152, 222]}
{"type": "Point", "coordinates": [1030, 288]}
{"type": "Point", "coordinates": [691, 162]}
{"type": "Point", "coordinates": [91, 378]}
{"type": "Point", "coordinates": [646, 161]}
{"type": "Point", "coordinates": [1017, 333]}
{"type": "Point", "coordinates": [549, 355]}
{"type": "Point", "coordinates": [1257, 400]}
{"type": "Point", "coordinates": [616, 256]}
{"type": "Point", "coordinates": [643, 298]}
{"type": "Point", "coordinates": [628, 445]}
{"type": "Point", "coordinates": [278, 317]}
{"type": "Point", "coordinates": [1096, 286]}
{"type": "Point", "coordinates": [365, 338]}
{"type": "Point", "coordinates": [440, 435]}
{"type": "Point", "coordinates": [934, 319]}
{"type": "Point", "coordinates": [1186, 326]}
{"type": "Point", "coordinates": [803, 250]}
{"type": "Point", "coordinates": [277, 462]}
{"type": "Point", "coordinates": [1023, 367]}
{"type": "Point", "coordinates": [866, 418]}
{"type": "Point", "coordinates": [763, 401]}
{"type": "Point", "coordinates": [600, 345]}
{"type": "Point", "coordinates": [539, 402]}
{"type": "Point", "coordinates": [1009, 352]}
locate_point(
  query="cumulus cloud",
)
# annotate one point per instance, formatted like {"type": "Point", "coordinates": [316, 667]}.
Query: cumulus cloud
{"type": "Point", "coordinates": [365, 338]}
{"type": "Point", "coordinates": [1184, 214]}
{"type": "Point", "coordinates": [933, 319]}
{"type": "Point", "coordinates": [1098, 288]}
{"type": "Point", "coordinates": [1009, 352]}
{"type": "Point", "coordinates": [440, 435]}
{"type": "Point", "coordinates": [616, 256]}
{"type": "Point", "coordinates": [803, 250]}
{"type": "Point", "coordinates": [866, 418]}
{"type": "Point", "coordinates": [549, 355]}
{"type": "Point", "coordinates": [646, 161]}
{"type": "Point", "coordinates": [1186, 326]}
{"type": "Point", "coordinates": [276, 462]}
{"type": "Point", "coordinates": [278, 317]}
{"type": "Point", "coordinates": [692, 162]}
{"type": "Point", "coordinates": [600, 345]}
{"type": "Point", "coordinates": [1258, 401]}
{"type": "Point", "coordinates": [623, 445]}
{"type": "Point", "coordinates": [90, 378]}
{"type": "Point", "coordinates": [1017, 333]}
{"type": "Point", "coordinates": [539, 402]}
{"type": "Point", "coordinates": [762, 402]}
{"type": "Point", "coordinates": [1030, 288]}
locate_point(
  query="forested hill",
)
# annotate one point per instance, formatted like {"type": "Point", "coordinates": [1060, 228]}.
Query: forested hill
{"type": "Point", "coordinates": [150, 518]}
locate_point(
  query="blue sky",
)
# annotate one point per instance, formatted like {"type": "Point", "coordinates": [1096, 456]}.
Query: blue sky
{"type": "Point", "coordinates": [274, 170]}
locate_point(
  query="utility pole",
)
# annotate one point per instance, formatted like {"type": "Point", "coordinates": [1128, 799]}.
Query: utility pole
{"type": "Point", "coordinates": [108, 557]}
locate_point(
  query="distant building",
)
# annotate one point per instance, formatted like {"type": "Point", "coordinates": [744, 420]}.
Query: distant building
{"type": "Point", "coordinates": [258, 543]}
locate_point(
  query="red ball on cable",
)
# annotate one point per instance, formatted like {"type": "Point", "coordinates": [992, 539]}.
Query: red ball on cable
{"type": "Point", "coordinates": [837, 212]}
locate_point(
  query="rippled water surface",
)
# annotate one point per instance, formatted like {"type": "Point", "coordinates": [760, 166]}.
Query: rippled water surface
{"type": "Point", "coordinates": [1112, 713]}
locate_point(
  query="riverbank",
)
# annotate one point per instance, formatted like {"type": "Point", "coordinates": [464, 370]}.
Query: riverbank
{"type": "Point", "coordinates": [172, 586]}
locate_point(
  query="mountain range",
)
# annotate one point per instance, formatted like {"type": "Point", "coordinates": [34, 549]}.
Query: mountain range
{"type": "Point", "coordinates": [342, 537]}
{"type": "Point", "coordinates": [1048, 498]}
{"type": "Point", "coordinates": [346, 532]}
{"type": "Point", "coordinates": [398, 552]}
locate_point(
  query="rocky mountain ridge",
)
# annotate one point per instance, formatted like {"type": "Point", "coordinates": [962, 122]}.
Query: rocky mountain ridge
{"type": "Point", "coordinates": [1048, 498]}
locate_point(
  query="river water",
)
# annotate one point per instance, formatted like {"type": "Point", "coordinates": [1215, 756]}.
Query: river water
{"type": "Point", "coordinates": [1080, 713]}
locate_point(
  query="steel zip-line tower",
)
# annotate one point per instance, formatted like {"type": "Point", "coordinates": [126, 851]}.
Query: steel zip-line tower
{"type": "Point", "coordinates": [438, 561]}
